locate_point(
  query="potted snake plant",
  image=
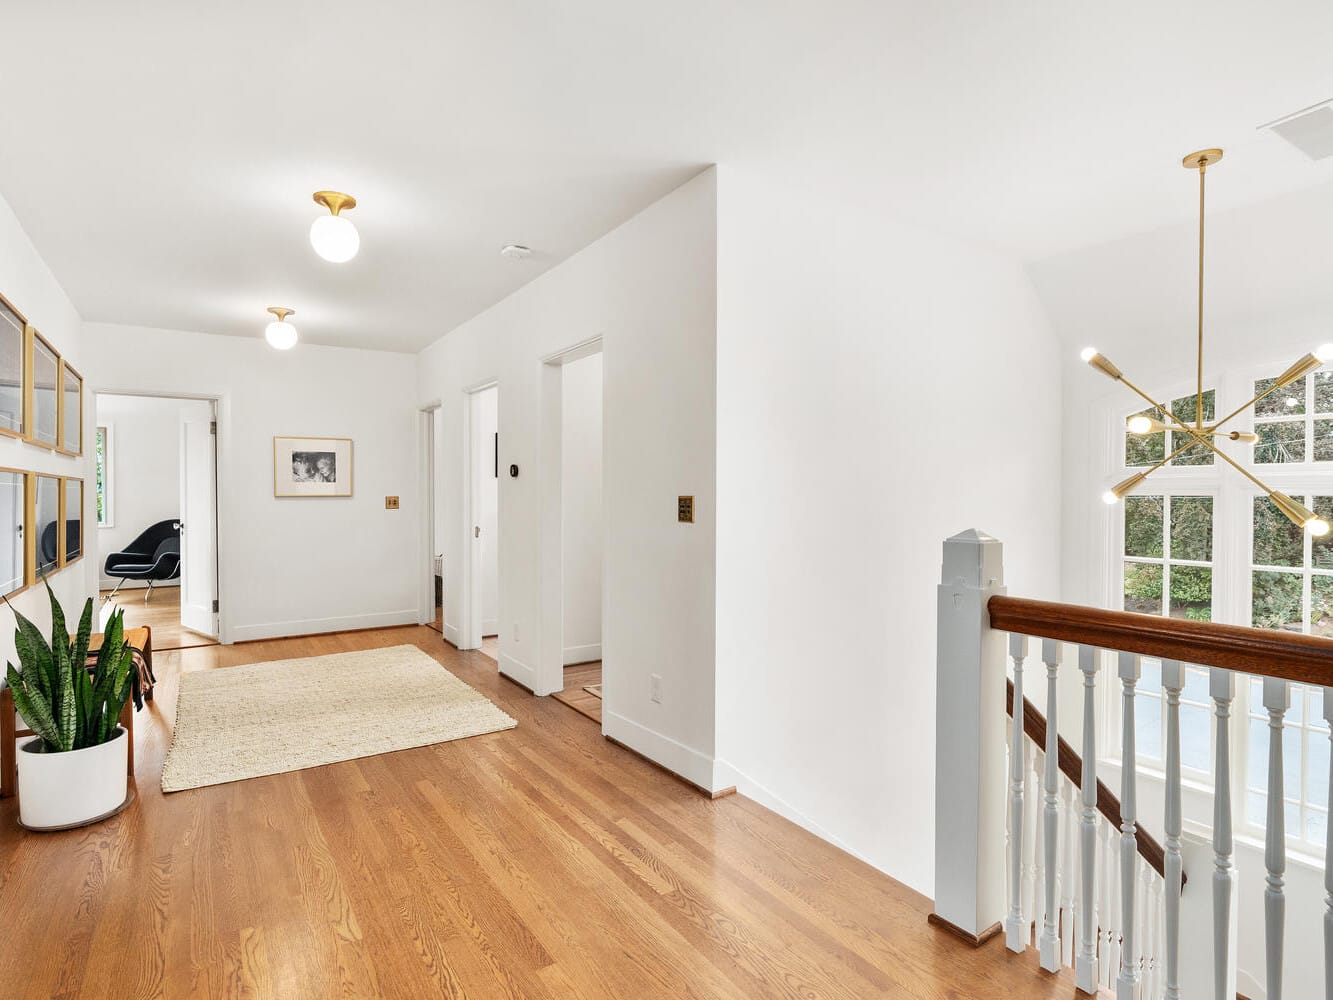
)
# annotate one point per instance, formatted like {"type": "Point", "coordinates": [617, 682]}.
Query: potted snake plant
{"type": "Point", "coordinates": [73, 770]}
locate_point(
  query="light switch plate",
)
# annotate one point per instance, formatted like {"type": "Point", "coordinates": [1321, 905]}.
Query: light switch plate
{"type": "Point", "coordinates": [390, 503]}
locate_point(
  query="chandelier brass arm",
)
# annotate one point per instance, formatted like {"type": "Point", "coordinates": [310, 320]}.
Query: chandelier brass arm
{"type": "Point", "coordinates": [1200, 433]}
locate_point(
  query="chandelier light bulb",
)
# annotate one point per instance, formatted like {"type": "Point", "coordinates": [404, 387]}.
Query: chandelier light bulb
{"type": "Point", "coordinates": [1110, 499]}
{"type": "Point", "coordinates": [1317, 527]}
{"type": "Point", "coordinates": [333, 236]}
{"type": "Point", "coordinates": [1088, 353]}
{"type": "Point", "coordinates": [1324, 352]}
{"type": "Point", "coordinates": [1139, 424]}
{"type": "Point", "coordinates": [280, 334]}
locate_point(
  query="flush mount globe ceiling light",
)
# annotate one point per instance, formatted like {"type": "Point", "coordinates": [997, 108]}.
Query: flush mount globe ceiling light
{"type": "Point", "coordinates": [280, 334]}
{"type": "Point", "coordinates": [333, 236]}
{"type": "Point", "coordinates": [1200, 433]}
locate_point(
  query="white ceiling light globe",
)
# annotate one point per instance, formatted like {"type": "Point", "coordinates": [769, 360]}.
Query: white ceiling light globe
{"type": "Point", "coordinates": [334, 238]}
{"type": "Point", "coordinates": [280, 335]}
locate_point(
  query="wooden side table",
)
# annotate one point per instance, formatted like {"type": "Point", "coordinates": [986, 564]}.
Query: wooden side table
{"type": "Point", "coordinates": [141, 639]}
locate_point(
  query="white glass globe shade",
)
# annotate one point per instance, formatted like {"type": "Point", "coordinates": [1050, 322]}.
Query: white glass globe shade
{"type": "Point", "coordinates": [1109, 498]}
{"type": "Point", "coordinates": [1139, 425]}
{"type": "Point", "coordinates": [1324, 352]}
{"type": "Point", "coordinates": [280, 335]}
{"type": "Point", "coordinates": [1088, 353]}
{"type": "Point", "coordinates": [334, 238]}
{"type": "Point", "coordinates": [1317, 526]}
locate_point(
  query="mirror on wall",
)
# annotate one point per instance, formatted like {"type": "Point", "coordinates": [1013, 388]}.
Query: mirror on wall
{"type": "Point", "coordinates": [46, 518]}
{"type": "Point", "coordinates": [13, 489]}
{"type": "Point", "coordinates": [11, 370]}
{"type": "Point", "coordinates": [73, 520]}
{"type": "Point", "coordinates": [71, 410]}
{"type": "Point", "coordinates": [45, 405]}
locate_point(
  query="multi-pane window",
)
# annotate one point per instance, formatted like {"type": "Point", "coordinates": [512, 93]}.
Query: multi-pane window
{"type": "Point", "coordinates": [1295, 424]}
{"type": "Point", "coordinates": [1305, 757]}
{"type": "Point", "coordinates": [1291, 588]}
{"type": "Point", "coordinates": [1149, 449]}
{"type": "Point", "coordinates": [1169, 555]}
{"type": "Point", "coordinates": [1169, 551]}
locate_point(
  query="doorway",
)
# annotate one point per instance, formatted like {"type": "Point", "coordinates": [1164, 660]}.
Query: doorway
{"type": "Point", "coordinates": [481, 585]}
{"type": "Point", "coordinates": [432, 535]}
{"type": "Point", "coordinates": [156, 505]}
{"type": "Point", "coordinates": [573, 529]}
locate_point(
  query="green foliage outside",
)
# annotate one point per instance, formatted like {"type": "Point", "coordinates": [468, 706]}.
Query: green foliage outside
{"type": "Point", "coordinates": [68, 708]}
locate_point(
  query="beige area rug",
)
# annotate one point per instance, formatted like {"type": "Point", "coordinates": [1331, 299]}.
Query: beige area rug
{"type": "Point", "coordinates": [269, 718]}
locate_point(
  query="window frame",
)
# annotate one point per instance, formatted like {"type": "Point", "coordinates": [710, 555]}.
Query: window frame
{"type": "Point", "coordinates": [106, 431]}
{"type": "Point", "coordinates": [1231, 548]}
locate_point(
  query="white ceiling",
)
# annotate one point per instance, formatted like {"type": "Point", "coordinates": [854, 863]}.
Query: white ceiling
{"type": "Point", "coordinates": [161, 155]}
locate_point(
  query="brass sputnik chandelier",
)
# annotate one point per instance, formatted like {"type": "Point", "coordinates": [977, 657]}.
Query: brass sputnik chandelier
{"type": "Point", "coordinates": [1200, 433]}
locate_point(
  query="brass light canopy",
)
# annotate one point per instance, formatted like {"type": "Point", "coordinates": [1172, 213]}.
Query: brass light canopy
{"type": "Point", "coordinates": [334, 201]}
{"type": "Point", "coordinates": [1199, 433]}
{"type": "Point", "coordinates": [280, 334]}
{"type": "Point", "coordinates": [281, 313]}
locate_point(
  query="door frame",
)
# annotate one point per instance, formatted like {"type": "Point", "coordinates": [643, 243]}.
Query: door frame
{"type": "Point", "coordinates": [221, 456]}
{"type": "Point", "coordinates": [550, 673]}
{"type": "Point", "coordinates": [469, 611]}
{"type": "Point", "coordinates": [429, 494]}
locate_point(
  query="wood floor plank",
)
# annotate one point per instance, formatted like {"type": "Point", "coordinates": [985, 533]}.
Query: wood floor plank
{"type": "Point", "coordinates": [541, 863]}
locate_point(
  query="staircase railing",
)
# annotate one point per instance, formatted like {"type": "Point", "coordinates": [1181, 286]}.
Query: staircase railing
{"type": "Point", "coordinates": [979, 883]}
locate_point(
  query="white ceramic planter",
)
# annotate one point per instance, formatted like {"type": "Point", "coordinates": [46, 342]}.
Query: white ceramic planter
{"type": "Point", "coordinates": [60, 790]}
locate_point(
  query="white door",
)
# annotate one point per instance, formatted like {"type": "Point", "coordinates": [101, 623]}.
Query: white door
{"type": "Point", "coordinates": [198, 530]}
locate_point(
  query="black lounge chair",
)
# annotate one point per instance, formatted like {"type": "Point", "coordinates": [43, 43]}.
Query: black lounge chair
{"type": "Point", "coordinates": [154, 556]}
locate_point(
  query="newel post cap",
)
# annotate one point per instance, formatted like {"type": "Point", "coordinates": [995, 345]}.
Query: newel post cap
{"type": "Point", "coordinates": [975, 558]}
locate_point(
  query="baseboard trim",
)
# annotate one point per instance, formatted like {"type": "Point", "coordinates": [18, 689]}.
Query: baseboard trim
{"type": "Point", "coordinates": [583, 654]}
{"type": "Point", "coordinates": [686, 763]}
{"type": "Point", "coordinates": [752, 789]}
{"type": "Point", "coordinates": [318, 626]}
{"type": "Point", "coordinates": [975, 940]}
{"type": "Point", "coordinates": [518, 671]}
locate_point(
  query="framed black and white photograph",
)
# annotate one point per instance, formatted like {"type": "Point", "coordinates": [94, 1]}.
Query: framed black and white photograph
{"type": "Point", "coordinates": [312, 467]}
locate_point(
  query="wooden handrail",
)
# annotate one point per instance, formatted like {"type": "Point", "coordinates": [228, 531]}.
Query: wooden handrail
{"type": "Point", "coordinates": [1071, 766]}
{"type": "Point", "coordinates": [1307, 659]}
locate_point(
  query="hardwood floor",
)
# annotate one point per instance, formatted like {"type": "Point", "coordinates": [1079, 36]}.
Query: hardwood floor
{"type": "Point", "coordinates": [578, 677]}
{"type": "Point", "coordinates": [162, 614]}
{"type": "Point", "coordinates": [540, 863]}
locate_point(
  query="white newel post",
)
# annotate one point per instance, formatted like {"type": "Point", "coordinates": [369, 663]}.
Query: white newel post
{"type": "Point", "coordinates": [970, 783]}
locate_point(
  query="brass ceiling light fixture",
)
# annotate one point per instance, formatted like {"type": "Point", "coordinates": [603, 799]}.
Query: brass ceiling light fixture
{"type": "Point", "coordinates": [333, 236]}
{"type": "Point", "coordinates": [1200, 433]}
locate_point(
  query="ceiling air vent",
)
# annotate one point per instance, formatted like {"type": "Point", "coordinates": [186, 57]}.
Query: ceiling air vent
{"type": "Point", "coordinates": [1309, 130]}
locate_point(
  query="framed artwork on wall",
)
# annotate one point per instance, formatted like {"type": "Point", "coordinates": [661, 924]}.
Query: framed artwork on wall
{"type": "Point", "coordinates": [13, 511]}
{"type": "Point", "coordinates": [13, 351]}
{"type": "Point", "coordinates": [71, 411]}
{"type": "Point", "coordinates": [72, 542]}
{"type": "Point", "coordinates": [312, 467]}
{"type": "Point", "coordinates": [45, 523]}
{"type": "Point", "coordinates": [44, 408]}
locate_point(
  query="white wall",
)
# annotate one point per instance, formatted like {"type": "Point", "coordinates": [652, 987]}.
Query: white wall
{"type": "Point", "coordinates": [879, 389]}
{"type": "Point", "coordinates": [144, 469]}
{"type": "Point", "coordinates": [581, 507]}
{"type": "Point", "coordinates": [1268, 302]}
{"type": "Point", "coordinates": [648, 289]}
{"type": "Point", "coordinates": [293, 566]}
{"type": "Point", "coordinates": [484, 427]}
{"type": "Point", "coordinates": [29, 285]}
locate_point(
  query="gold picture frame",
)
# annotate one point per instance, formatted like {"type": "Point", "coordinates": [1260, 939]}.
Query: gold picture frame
{"type": "Point", "coordinates": [312, 466]}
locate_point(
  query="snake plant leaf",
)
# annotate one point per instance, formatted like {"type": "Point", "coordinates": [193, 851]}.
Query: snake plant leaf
{"type": "Point", "coordinates": [80, 654]}
{"type": "Point", "coordinates": [35, 655]}
{"type": "Point", "coordinates": [35, 711]}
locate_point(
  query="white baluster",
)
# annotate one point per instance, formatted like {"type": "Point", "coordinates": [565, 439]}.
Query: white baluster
{"type": "Point", "coordinates": [1127, 983]}
{"type": "Point", "coordinates": [1328, 869]}
{"type": "Point", "coordinates": [1038, 911]}
{"type": "Point", "coordinates": [1049, 943]}
{"type": "Point", "coordinates": [1068, 878]}
{"type": "Point", "coordinates": [1222, 687]}
{"type": "Point", "coordinates": [1085, 968]}
{"type": "Point", "coordinates": [1173, 680]}
{"type": "Point", "coordinates": [1013, 926]}
{"type": "Point", "coordinates": [1113, 911]}
{"type": "Point", "coordinates": [1277, 699]}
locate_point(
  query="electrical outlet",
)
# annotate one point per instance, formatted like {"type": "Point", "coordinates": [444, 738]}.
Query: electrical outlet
{"type": "Point", "coordinates": [655, 688]}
